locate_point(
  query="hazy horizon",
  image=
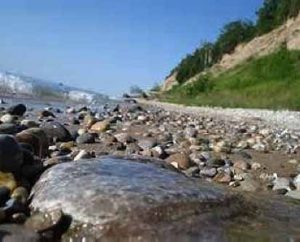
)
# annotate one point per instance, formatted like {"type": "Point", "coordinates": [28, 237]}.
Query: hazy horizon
{"type": "Point", "coordinates": [107, 46]}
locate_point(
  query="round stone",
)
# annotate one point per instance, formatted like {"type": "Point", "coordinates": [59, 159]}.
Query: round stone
{"type": "Point", "coordinates": [18, 110]}
{"type": "Point", "coordinates": [85, 138]}
{"type": "Point", "coordinates": [56, 131]}
{"type": "Point", "coordinates": [20, 194]}
{"type": "Point", "coordinates": [37, 138]}
{"type": "Point", "coordinates": [223, 177]}
{"type": "Point", "coordinates": [147, 143]}
{"type": "Point", "coordinates": [181, 159]}
{"type": "Point", "coordinates": [89, 120]}
{"type": "Point", "coordinates": [281, 183]}
{"type": "Point", "coordinates": [213, 162]}
{"type": "Point", "coordinates": [8, 118]}
{"type": "Point", "coordinates": [29, 123]}
{"type": "Point", "coordinates": [11, 155]}
{"type": "Point", "coordinates": [242, 165]}
{"type": "Point", "coordinates": [208, 171]}
{"type": "Point", "coordinates": [46, 114]}
{"type": "Point", "coordinates": [124, 138]}
{"type": "Point", "coordinates": [100, 126]}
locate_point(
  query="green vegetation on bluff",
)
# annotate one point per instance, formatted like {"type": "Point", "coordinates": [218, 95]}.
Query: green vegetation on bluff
{"type": "Point", "coordinates": [272, 14]}
{"type": "Point", "coordinates": [272, 81]}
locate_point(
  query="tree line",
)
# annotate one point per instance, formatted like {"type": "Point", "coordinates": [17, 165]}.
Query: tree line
{"type": "Point", "coordinates": [272, 14]}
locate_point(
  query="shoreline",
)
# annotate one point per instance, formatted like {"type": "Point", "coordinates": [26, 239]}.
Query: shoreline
{"type": "Point", "coordinates": [278, 119]}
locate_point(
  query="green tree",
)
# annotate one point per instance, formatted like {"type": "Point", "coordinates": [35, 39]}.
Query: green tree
{"type": "Point", "coordinates": [231, 35]}
{"type": "Point", "coordinates": [201, 59]}
{"type": "Point", "coordinates": [274, 13]}
{"type": "Point", "coordinates": [209, 53]}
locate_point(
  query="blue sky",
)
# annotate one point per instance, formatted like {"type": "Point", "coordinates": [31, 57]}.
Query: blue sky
{"type": "Point", "coordinates": [107, 45]}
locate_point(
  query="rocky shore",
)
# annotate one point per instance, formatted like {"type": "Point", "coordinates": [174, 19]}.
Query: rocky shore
{"type": "Point", "coordinates": [148, 172]}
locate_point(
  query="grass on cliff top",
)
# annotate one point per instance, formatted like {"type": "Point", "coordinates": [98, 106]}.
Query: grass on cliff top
{"type": "Point", "coordinates": [272, 81]}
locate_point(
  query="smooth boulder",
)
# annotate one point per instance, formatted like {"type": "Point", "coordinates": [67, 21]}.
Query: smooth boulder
{"type": "Point", "coordinates": [121, 197]}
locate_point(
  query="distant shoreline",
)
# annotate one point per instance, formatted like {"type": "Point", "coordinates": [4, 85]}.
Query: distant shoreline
{"type": "Point", "coordinates": [26, 97]}
{"type": "Point", "coordinates": [275, 118]}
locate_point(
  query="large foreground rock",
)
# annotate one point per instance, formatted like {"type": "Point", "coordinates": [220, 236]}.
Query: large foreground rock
{"type": "Point", "coordinates": [116, 198]}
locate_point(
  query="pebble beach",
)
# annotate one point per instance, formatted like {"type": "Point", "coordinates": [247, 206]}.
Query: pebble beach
{"type": "Point", "coordinates": [140, 170]}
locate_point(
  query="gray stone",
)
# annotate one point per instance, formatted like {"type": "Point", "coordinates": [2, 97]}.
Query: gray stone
{"type": "Point", "coordinates": [8, 128]}
{"type": "Point", "coordinates": [56, 130]}
{"type": "Point", "coordinates": [181, 159]}
{"type": "Point", "coordinates": [249, 184]}
{"type": "Point", "coordinates": [114, 192]}
{"type": "Point", "coordinates": [83, 154]}
{"type": "Point", "coordinates": [293, 194]}
{"type": "Point", "coordinates": [57, 160]}
{"type": "Point", "coordinates": [208, 171]}
{"type": "Point", "coordinates": [147, 143]}
{"type": "Point", "coordinates": [129, 108]}
{"type": "Point", "coordinates": [296, 182]}
{"type": "Point", "coordinates": [215, 162]}
{"type": "Point", "coordinates": [240, 164]}
{"type": "Point", "coordinates": [85, 138]}
{"type": "Point", "coordinates": [281, 183]}
{"type": "Point", "coordinates": [133, 148]}
{"type": "Point", "coordinates": [124, 138]}
{"type": "Point", "coordinates": [29, 123]}
{"type": "Point", "coordinates": [192, 171]}
{"type": "Point", "coordinates": [191, 132]}
{"type": "Point", "coordinates": [15, 233]}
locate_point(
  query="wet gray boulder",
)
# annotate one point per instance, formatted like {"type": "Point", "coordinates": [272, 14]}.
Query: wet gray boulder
{"type": "Point", "coordinates": [11, 155]}
{"type": "Point", "coordinates": [118, 198]}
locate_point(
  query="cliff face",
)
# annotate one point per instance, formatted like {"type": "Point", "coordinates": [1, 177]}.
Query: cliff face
{"type": "Point", "coordinates": [287, 34]}
{"type": "Point", "coordinates": [169, 82]}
